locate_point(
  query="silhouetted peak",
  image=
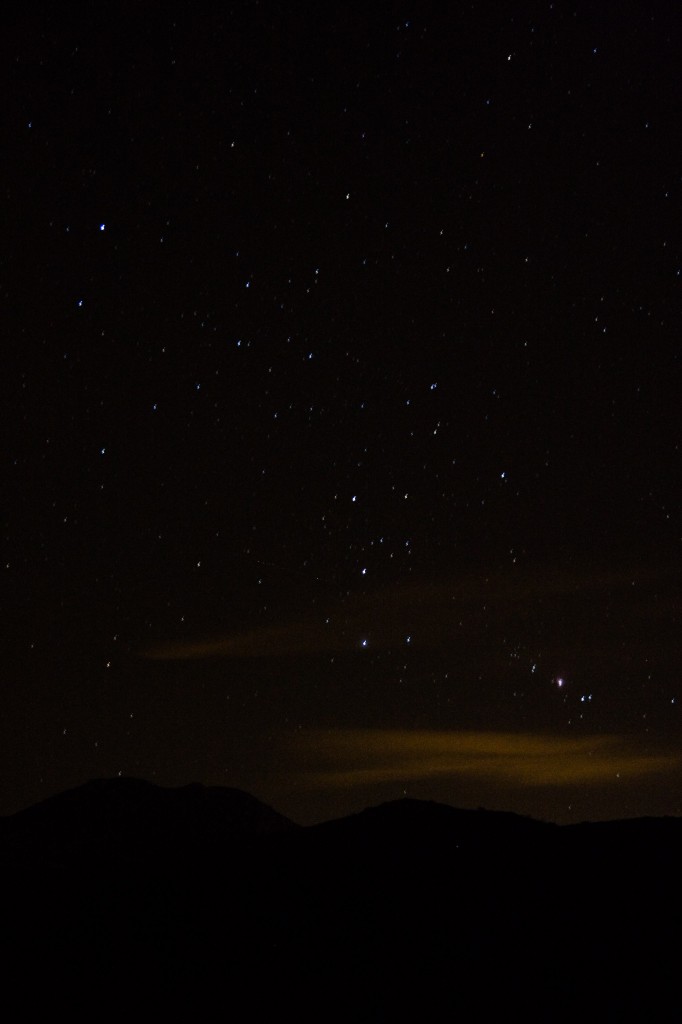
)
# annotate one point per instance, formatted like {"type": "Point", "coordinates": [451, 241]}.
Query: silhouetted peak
{"type": "Point", "coordinates": [129, 819]}
{"type": "Point", "coordinates": [407, 818]}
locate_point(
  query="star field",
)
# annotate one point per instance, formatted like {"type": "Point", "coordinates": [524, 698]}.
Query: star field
{"type": "Point", "coordinates": [341, 437]}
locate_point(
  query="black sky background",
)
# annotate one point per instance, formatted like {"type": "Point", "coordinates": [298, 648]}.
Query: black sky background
{"type": "Point", "coordinates": [341, 422]}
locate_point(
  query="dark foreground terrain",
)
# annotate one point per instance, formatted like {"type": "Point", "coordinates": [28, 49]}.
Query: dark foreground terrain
{"type": "Point", "coordinates": [123, 895]}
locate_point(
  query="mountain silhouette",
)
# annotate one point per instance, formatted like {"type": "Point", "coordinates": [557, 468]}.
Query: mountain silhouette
{"type": "Point", "coordinates": [411, 910]}
{"type": "Point", "coordinates": [403, 819]}
{"type": "Point", "coordinates": [132, 820]}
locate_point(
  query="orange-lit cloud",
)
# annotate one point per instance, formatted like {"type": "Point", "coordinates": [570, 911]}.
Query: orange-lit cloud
{"type": "Point", "coordinates": [440, 614]}
{"type": "Point", "coordinates": [358, 757]}
{"type": "Point", "coordinates": [297, 638]}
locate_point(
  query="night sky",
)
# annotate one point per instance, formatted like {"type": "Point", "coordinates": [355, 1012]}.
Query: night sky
{"type": "Point", "coordinates": [341, 403]}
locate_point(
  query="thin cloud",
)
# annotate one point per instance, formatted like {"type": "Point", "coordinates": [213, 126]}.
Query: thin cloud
{"type": "Point", "coordinates": [297, 638]}
{"type": "Point", "coordinates": [357, 757]}
{"type": "Point", "coordinates": [441, 614]}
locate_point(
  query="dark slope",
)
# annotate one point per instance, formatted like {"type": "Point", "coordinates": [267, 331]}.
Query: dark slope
{"type": "Point", "coordinates": [130, 820]}
{"type": "Point", "coordinates": [411, 910]}
{"type": "Point", "coordinates": [405, 819]}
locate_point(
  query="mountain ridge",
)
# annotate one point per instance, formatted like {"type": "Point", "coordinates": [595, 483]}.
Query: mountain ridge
{"type": "Point", "coordinates": [105, 814]}
{"type": "Point", "coordinates": [402, 911]}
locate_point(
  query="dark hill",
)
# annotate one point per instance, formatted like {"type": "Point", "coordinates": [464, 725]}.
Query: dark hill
{"type": "Point", "coordinates": [427, 820]}
{"type": "Point", "coordinates": [130, 820]}
{"type": "Point", "coordinates": [411, 910]}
